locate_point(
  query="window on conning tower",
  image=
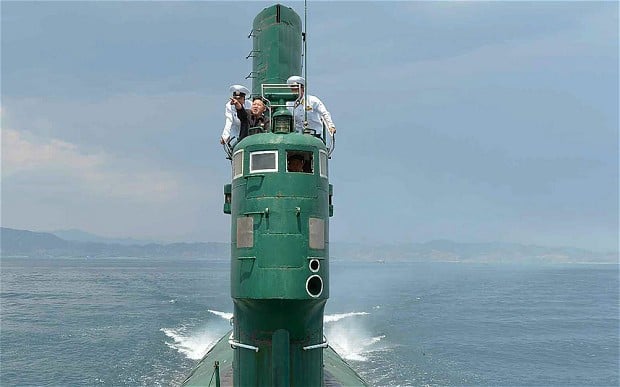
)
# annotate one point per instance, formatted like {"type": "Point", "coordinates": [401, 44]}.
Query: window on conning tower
{"type": "Point", "coordinates": [299, 161]}
{"type": "Point", "coordinates": [323, 163]}
{"type": "Point", "coordinates": [264, 161]}
{"type": "Point", "coordinates": [237, 165]}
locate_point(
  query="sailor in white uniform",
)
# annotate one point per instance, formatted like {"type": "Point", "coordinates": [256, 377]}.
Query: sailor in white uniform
{"type": "Point", "coordinates": [315, 109]}
{"type": "Point", "coordinates": [232, 126]}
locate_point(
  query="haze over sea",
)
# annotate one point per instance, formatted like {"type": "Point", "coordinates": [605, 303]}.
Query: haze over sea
{"type": "Point", "coordinates": [138, 321]}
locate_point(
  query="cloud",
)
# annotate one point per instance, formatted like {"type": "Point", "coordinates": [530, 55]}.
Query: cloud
{"type": "Point", "coordinates": [113, 121]}
{"type": "Point", "coordinates": [486, 111]}
{"type": "Point", "coordinates": [26, 157]}
{"type": "Point", "coordinates": [424, 54]}
{"type": "Point", "coordinates": [50, 183]}
{"type": "Point", "coordinates": [21, 154]}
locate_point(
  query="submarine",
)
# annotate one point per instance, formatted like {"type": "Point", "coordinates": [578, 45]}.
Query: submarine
{"type": "Point", "coordinates": [279, 234]}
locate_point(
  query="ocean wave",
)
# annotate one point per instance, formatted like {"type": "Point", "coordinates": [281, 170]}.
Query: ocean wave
{"type": "Point", "coordinates": [337, 317]}
{"type": "Point", "coordinates": [224, 315]}
{"type": "Point", "coordinates": [374, 340]}
{"type": "Point", "coordinates": [195, 342]}
{"type": "Point", "coordinates": [194, 345]}
{"type": "Point", "coordinates": [352, 340]}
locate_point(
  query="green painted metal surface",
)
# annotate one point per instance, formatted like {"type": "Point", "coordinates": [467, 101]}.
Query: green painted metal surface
{"type": "Point", "coordinates": [276, 47]}
{"type": "Point", "coordinates": [279, 200]}
{"type": "Point", "coordinates": [337, 372]}
{"type": "Point", "coordinates": [276, 266]}
{"type": "Point", "coordinates": [280, 361]}
{"type": "Point", "coordinates": [271, 276]}
{"type": "Point", "coordinates": [204, 373]}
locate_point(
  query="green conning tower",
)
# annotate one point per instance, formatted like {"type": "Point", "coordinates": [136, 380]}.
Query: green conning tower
{"type": "Point", "coordinates": [279, 235]}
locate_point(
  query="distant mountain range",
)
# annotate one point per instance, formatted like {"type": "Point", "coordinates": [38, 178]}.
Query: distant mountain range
{"type": "Point", "coordinates": [450, 251]}
{"type": "Point", "coordinates": [39, 244]}
{"type": "Point", "coordinates": [82, 236]}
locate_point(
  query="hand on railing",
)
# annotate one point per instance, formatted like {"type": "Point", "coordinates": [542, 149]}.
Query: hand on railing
{"type": "Point", "coordinates": [228, 147]}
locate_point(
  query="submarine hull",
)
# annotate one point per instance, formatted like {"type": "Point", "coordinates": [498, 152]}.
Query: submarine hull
{"type": "Point", "coordinates": [336, 371]}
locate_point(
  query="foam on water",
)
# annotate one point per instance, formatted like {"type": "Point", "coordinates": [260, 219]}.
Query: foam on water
{"type": "Point", "coordinates": [224, 315]}
{"type": "Point", "coordinates": [352, 340]}
{"type": "Point", "coordinates": [337, 317]}
{"type": "Point", "coordinates": [192, 343]}
{"type": "Point", "coordinates": [195, 342]}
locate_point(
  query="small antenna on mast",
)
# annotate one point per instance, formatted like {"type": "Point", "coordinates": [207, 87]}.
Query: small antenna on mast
{"type": "Point", "coordinates": [305, 64]}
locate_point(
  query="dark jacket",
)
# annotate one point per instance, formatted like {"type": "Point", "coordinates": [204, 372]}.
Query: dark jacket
{"type": "Point", "coordinates": [248, 120]}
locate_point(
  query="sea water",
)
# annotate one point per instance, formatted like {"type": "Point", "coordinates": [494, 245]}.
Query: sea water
{"type": "Point", "coordinates": [130, 321]}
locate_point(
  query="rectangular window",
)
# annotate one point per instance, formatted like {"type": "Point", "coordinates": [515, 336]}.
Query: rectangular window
{"type": "Point", "coordinates": [237, 169]}
{"type": "Point", "coordinates": [264, 161]}
{"type": "Point", "coordinates": [299, 161]}
{"type": "Point", "coordinates": [323, 163]}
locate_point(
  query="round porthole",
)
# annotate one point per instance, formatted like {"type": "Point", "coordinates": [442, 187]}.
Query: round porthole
{"type": "Point", "coordinates": [314, 265]}
{"type": "Point", "coordinates": [314, 286]}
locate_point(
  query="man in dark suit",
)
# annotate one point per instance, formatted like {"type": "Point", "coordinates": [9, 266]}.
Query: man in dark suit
{"type": "Point", "coordinates": [253, 117]}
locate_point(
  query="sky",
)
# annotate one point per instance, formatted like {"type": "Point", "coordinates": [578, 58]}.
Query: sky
{"type": "Point", "coordinates": [468, 121]}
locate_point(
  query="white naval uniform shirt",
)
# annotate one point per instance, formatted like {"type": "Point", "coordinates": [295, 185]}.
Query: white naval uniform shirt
{"type": "Point", "coordinates": [315, 109]}
{"type": "Point", "coordinates": [232, 126]}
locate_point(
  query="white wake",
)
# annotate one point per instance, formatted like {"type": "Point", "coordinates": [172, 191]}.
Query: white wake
{"type": "Point", "coordinates": [224, 315]}
{"type": "Point", "coordinates": [337, 317]}
{"type": "Point", "coordinates": [195, 342]}
{"type": "Point", "coordinates": [351, 338]}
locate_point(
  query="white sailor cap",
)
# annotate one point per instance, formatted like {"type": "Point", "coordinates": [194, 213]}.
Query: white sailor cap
{"type": "Point", "coordinates": [296, 80]}
{"type": "Point", "coordinates": [239, 90]}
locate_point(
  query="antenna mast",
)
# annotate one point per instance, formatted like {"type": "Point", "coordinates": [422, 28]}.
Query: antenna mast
{"type": "Point", "coordinates": [305, 65]}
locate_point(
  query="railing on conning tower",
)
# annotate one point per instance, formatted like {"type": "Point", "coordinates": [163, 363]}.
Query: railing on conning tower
{"type": "Point", "coordinates": [280, 91]}
{"type": "Point", "coordinates": [278, 95]}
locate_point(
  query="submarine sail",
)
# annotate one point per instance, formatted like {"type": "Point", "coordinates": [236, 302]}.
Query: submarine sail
{"type": "Point", "coordinates": [279, 235]}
